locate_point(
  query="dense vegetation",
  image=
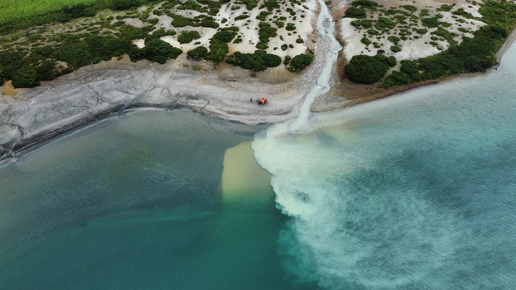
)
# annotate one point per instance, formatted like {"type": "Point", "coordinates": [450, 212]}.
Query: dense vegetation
{"type": "Point", "coordinates": [45, 52]}
{"type": "Point", "coordinates": [473, 54]}
{"type": "Point", "coordinates": [27, 71]}
{"type": "Point", "coordinates": [366, 69]}
{"type": "Point", "coordinates": [257, 61]}
{"type": "Point", "coordinates": [300, 62]}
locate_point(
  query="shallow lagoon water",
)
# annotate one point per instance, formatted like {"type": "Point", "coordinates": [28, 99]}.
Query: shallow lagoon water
{"type": "Point", "coordinates": [416, 191]}
{"type": "Point", "coordinates": [150, 199]}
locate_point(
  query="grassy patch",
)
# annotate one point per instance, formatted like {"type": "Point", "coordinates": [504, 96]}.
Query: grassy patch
{"type": "Point", "coordinates": [11, 10]}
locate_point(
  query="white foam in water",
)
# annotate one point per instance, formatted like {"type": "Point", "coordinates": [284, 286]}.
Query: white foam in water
{"type": "Point", "coordinates": [412, 192]}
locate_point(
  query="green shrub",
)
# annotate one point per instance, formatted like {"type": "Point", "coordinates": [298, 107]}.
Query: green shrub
{"type": "Point", "coordinates": [250, 4]}
{"type": "Point", "coordinates": [189, 5]}
{"type": "Point", "coordinates": [393, 39]}
{"type": "Point", "coordinates": [250, 61]}
{"type": "Point", "coordinates": [430, 22]}
{"type": "Point", "coordinates": [271, 4]}
{"type": "Point", "coordinates": [279, 24]}
{"type": "Point", "coordinates": [384, 22]}
{"type": "Point", "coordinates": [116, 46]}
{"type": "Point", "coordinates": [300, 62]}
{"type": "Point", "coordinates": [372, 32]}
{"type": "Point", "coordinates": [395, 48]}
{"type": "Point", "coordinates": [272, 60]}
{"type": "Point", "coordinates": [153, 21]}
{"type": "Point", "coordinates": [391, 11]}
{"type": "Point", "coordinates": [442, 33]}
{"type": "Point", "coordinates": [365, 3]}
{"type": "Point", "coordinates": [368, 69]}
{"type": "Point", "coordinates": [136, 54]}
{"type": "Point", "coordinates": [409, 66]}
{"type": "Point", "coordinates": [47, 70]}
{"type": "Point", "coordinates": [354, 12]}
{"type": "Point", "coordinates": [197, 53]}
{"type": "Point", "coordinates": [160, 51]}
{"type": "Point", "coordinates": [356, 23]}
{"type": "Point", "coordinates": [225, 35]}
{"type": "Point", "coordinates": [180, 21]}
{"type": "Point", "coordinates": [188, 36]}
{"type": "Point", "coordinates": [126, 4]}
{"type": "Point", "coordinates": [410, 8]}
{"type": "Point", "coordinates": [263, 15]}
{"type": "Point", "coordinates": [25, 77]}
{"type": "Point", "coordinates": [262, 45]}
{"type": "Point", "coordinates": [218, 50]}
{"type": "Point", "coordinates": [366, 23]}
{"type": "Point", "coordinates": [241, 17]}
{"type": "Point", "coordinates": [398, 78]}
{"type": "Point", "coordinates": [446, 7]}
{"type": "Point", "coordinates": [75, 55]}
{"type": "Point", "coordinates": [40, 53]}
{"type": "Point", "coordinates": [10, 62]}
{"type": "Point", "coordinates": [287, 60]}
{"type": "Point", "coordinates": [131, 32]}
{"type": "Point", "coordinates": [365, 41]}
{"type": "Point", "coordinates": [266, 31]}
{"type": "Point", "coordinates": [290, 27]}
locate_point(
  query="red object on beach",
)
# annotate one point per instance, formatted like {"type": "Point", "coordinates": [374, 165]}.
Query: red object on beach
{"type": "Point", "coordinates": [261, 101]}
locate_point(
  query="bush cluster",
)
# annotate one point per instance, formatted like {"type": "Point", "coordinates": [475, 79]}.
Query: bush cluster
{"type": "Point", "coordinates": [355, 12]}
{"type": "Point", "coordinates": [300, 62]}
{"type": "Point", "coordinates": [126, 4]}
{"type": "Point", "coordinates": [218, 44]}
{"type": "Point", "coordinates": [28, 71]}
{"type": "Point", "coordinates": [366, 69]}
{"type": "Point", "coordinates": [160, 51]}
{"type": "Point", "coordinates": [472, 55]}
{"type": "Point", "coordinates": [188, 36]}
{"type": "Point", "coordinates": [197, 53]}
{"type": "Point", "coordinates": [265, 32]}
{"type": "Point", "coordinates": [257, 61]}
{"type": "Point", "coordinates": [365, 3]}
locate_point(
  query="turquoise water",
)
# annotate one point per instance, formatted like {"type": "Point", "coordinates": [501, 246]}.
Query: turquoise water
{"type": "Point", "coordinates": [133, 202]}
{"type": "Point", "coordinates": [417, 191]}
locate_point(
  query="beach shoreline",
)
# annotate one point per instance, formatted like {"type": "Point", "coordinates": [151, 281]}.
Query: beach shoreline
{"type": "Point", "coordinates": [34, 115]}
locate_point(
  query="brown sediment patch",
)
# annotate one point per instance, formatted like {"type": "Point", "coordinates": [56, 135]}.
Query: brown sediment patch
{"type": "Point", "coordinates": [347, 93]}
{"type": "Point", "coordinates": [8, 89]}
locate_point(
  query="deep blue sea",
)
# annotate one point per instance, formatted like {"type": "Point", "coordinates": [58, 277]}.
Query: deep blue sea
{"type": "Point", "coordinates": [416, 191]}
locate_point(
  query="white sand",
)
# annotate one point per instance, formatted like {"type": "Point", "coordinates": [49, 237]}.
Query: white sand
{"type": "Point", "coordinates": [248, 29]}
{"type": "Point", "coordinates": [411, 48]}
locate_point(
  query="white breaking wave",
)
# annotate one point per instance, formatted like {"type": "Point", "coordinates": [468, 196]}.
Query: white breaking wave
{"type": "Point", "coordinates": [410, 192]}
